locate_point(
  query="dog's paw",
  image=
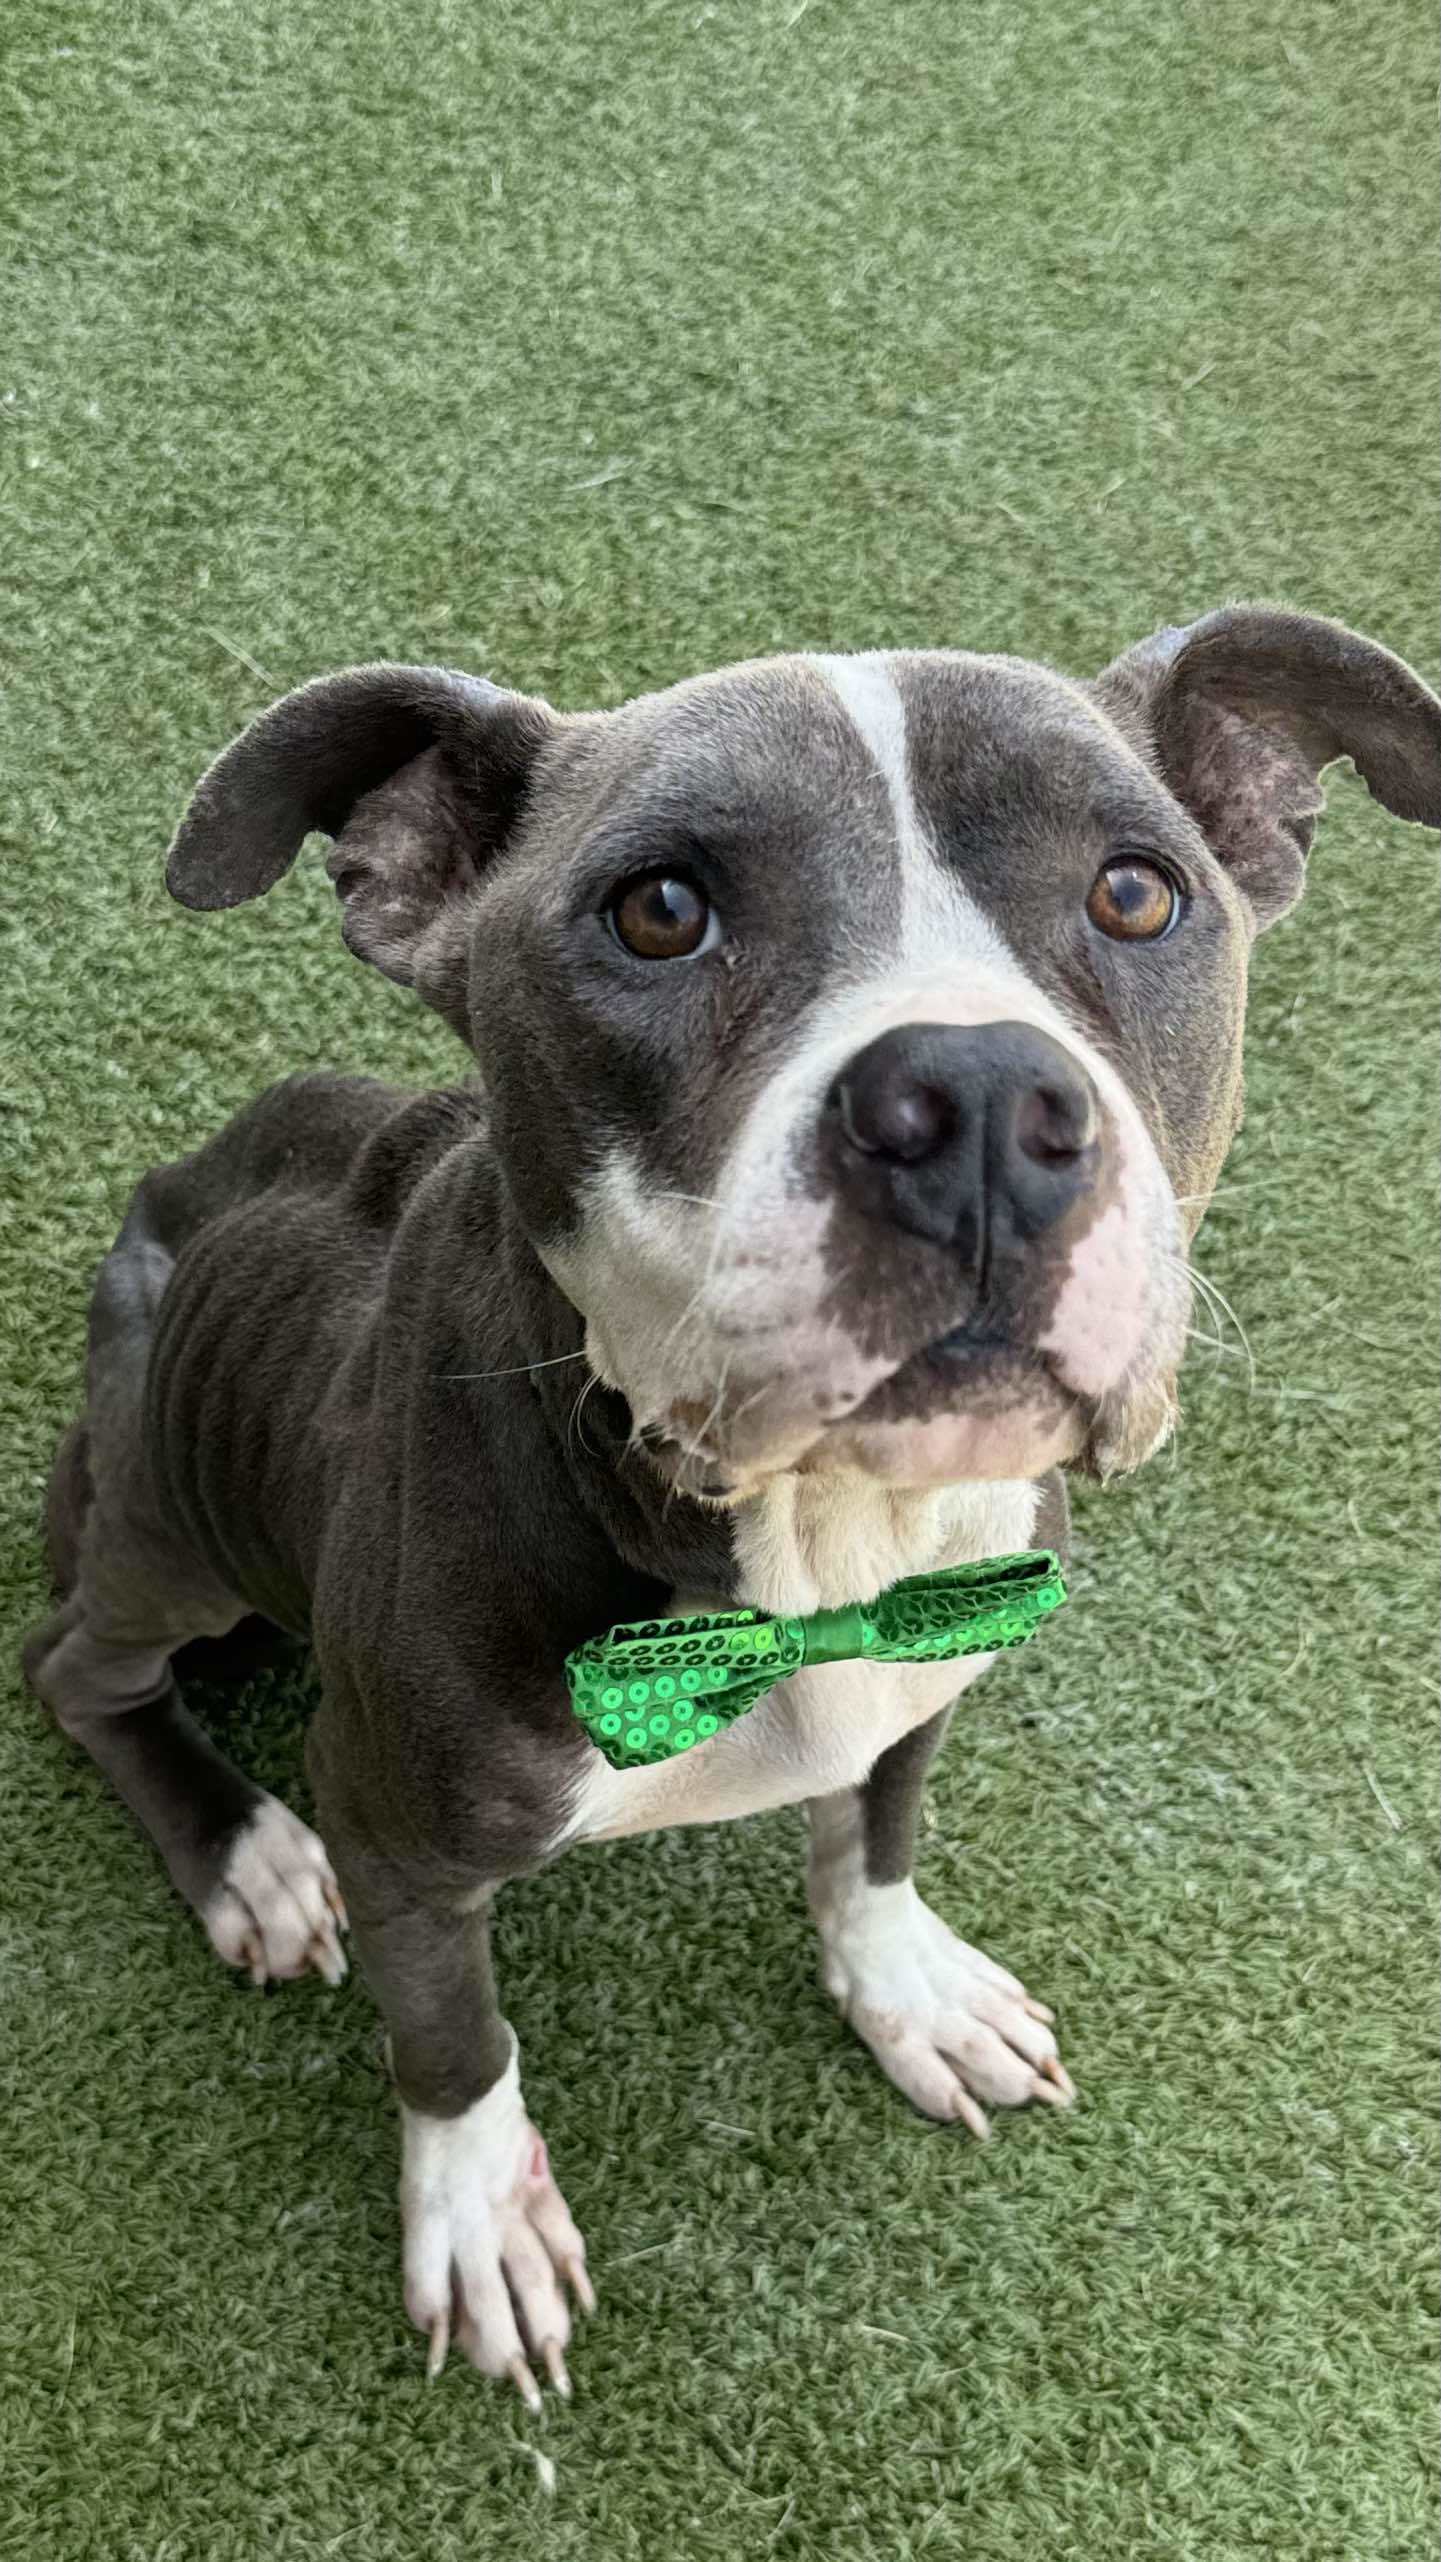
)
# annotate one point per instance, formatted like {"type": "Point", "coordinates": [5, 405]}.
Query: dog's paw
{"type": "Point", "coordinates": [948, 2026]}
{"type": "Point", "coordinates": [277, 1909]}
{"type": "Point", "coordinates": [490, 2247]}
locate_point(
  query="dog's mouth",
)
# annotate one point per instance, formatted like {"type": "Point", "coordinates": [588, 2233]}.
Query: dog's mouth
{"type": "Point", "coordinates": [972, 1392]}
{"type": "Point", "coordinates": [972, 1340]}
{"type": "Point", "coordinates": [979, 1358]}
{"type": "Point", "coordinates": [976, 1401]}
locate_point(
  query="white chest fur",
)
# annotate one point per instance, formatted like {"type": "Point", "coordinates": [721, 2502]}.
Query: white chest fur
{"type": "Point", "coordinates": [809, 1543]}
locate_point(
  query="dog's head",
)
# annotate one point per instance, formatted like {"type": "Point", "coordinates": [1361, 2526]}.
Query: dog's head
{"type": "Point", "coordinates": [863, 1034]}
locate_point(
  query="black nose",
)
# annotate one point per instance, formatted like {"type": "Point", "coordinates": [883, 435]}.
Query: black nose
{"type": "Point", "coordinates": [975, 1136]}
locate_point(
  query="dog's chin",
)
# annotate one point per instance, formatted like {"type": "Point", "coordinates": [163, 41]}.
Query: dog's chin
{"type": "Point", "coordinates": [967, 1409]}
{"type": "Point", "coordinates": [963, 1410]}
{"type": "Point", "coordinates": [956, 1449]}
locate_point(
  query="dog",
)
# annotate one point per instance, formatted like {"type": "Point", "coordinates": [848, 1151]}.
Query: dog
{"type": "Point", "coordinates": [858, 1044]}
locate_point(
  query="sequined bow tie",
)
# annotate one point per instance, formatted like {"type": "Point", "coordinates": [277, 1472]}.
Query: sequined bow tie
{"type": "Point", "coordinates": [645, 1692]}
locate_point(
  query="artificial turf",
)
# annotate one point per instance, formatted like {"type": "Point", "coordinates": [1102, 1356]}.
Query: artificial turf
{"type": "Point", "coordinates": [592, 344]}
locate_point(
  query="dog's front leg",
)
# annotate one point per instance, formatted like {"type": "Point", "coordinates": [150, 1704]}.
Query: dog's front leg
{"type": "Point", "coordinates": [489, 2244]}
{"type": "Point", "coordinates": [948, 2026]}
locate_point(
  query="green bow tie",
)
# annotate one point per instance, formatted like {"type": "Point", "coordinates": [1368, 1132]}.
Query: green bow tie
{"type": "Point", "coordinates": [645, 1692]}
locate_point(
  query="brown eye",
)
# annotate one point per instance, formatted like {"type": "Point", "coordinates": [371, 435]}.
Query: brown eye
{"type": "Point", "coordinates": [661, 918]}
{"type": "Point", "coordinates": [1133, 902]}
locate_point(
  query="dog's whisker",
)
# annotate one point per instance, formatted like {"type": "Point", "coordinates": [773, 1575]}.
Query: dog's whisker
{"type": "Point", "coordinates": [1221, 1309]}
{"type": "Point", "coordinates": [714, 1408]}
{"type": "Point", "coordinates": [1213, 1298]}
{"type": "Point", "coordinates": [702, 1286]}
{"type": "Point", "coordinates": [692, 1303]}
{"type": "Point", "coordinates": [522, 1369]}
{"type": "Point", "coordinates": [575, 1424]}
{"type": "Point", "coordinates": [1227, 1191]}
{"type": "Point", "coordinates": [747, 1403]}
{"type": "Point", "coordinates": [1212, 1342]}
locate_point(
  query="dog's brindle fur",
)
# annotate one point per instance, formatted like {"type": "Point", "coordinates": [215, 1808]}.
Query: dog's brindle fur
{"type": "Point", "coordinates": [447, 1384]}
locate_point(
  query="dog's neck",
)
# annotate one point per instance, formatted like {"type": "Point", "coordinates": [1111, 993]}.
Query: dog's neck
{"type": "Point", "coordinates": [814, 1541]}
{"type": "Point", "coordinates": [682, 1545]}
{"type": "Point", "coordinates": [805, 1541]}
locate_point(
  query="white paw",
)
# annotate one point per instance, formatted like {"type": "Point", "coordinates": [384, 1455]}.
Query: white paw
{"type": "Point", "coordinates": [277, 1908]}
{"type": "Point", "coordinates": [948, 2026]}
{"type": "Point", "coordinates": [489, 2239]}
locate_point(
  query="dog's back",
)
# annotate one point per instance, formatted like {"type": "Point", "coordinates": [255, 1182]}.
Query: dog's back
{"type": "Point", "coordinates": [315, 1164]}
{"type": "Point", "coordinates": [305, 1135]}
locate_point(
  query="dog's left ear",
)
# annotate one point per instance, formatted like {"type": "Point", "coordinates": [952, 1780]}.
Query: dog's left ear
{"type": "Point", "coordinates": [419, 773]}
{"type": "Point", "coordinates": [1244, 709]}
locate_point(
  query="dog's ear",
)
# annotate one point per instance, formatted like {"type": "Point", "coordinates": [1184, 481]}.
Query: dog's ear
{"type": "Point", "coordinates": [1244, 709]}
{"type": "Point", "coordinates": [419, 773]}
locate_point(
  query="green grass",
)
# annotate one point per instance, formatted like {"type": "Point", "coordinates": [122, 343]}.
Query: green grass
{"type": "Point", "coordinates": [592, 342]}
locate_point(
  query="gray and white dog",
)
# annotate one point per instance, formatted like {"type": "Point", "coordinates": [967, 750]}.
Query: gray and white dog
{"type": "Point", "coordinates": [859, 1040]}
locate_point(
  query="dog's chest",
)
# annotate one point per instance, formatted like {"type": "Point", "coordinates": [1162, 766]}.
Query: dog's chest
{"type": "Point", "coordinates": [804, 1545]}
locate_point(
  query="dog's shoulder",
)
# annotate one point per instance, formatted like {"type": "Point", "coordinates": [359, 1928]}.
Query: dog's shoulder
{"type": "Point", "coordinates": [348, 1140]}
{"type": "Point", "coordinates": [404, 1146]}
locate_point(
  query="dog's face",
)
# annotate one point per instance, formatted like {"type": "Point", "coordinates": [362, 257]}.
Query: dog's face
{"type": "Point", "coordinates": [863, 1034]}
{"type": "Point", "coordinates": [853, 1027]}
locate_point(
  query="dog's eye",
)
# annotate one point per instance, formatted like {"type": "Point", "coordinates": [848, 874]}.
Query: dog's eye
{"type": "Point", "coordinates": [1134, 901]}
{"type": "Point", "coordinates": [662, 918]}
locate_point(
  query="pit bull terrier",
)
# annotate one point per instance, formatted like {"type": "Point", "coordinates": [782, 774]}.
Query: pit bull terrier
{"type": "Point", "coordinates": [858, 1043]}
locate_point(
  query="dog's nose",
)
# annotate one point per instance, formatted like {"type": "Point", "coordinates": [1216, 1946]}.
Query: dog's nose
{"type": "Point", "coordinates": [976, 1136]}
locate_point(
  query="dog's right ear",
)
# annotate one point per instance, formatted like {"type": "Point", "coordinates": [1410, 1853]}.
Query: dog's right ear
{"type": "Point", "coordinates": [419, 773]}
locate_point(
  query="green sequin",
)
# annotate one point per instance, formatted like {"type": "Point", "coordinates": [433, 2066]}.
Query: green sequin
{"type": "Point", "coordinates": [736, 1656]}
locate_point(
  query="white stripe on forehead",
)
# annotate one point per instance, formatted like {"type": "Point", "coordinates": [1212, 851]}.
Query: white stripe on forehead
{"type": "Point", "coordinates": [939, 918]}
{"type": "Point", "coordinates": [872, 700]}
